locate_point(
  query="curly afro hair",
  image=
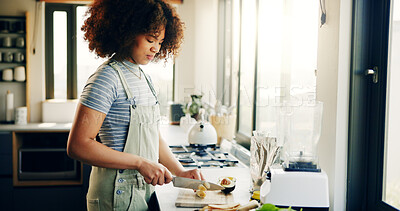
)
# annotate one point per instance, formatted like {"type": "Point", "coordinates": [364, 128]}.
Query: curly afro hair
{"type": "Point", "coordinates": [112, 26]}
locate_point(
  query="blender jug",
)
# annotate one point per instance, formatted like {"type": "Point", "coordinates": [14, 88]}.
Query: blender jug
{"type": "Point", "coordinates": [300, 129]}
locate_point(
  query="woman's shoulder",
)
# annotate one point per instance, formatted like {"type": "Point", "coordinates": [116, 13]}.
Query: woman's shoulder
{"type": "Point", "coordinates": [104, 73]}
{"type": "Point", "coordinates": [106, 69]}
{"type": "Point", "coordinates": [101, 90]}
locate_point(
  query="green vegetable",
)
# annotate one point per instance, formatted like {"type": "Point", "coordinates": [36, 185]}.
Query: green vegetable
{"type": "Point", "coordinates": [267, 207]}
{"type": "Point", "coordinates": [271, 207]}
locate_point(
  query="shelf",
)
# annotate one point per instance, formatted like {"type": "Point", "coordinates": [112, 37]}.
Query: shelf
{"type": "Point", "coordinates": [20, 21]}
{"type": "Point", "coordinates": [13, 63]}
{"type": "Point", "coordinates": [13, 48]}
{"type": "Point", "coordinates": [12, 17]}
{"type": "Point", "coordinates": [6, 123]}
{"type": "Point", "coordinates": [13, 82]}
{"type": "Point", "coordinates": [17, 27]}
{"type": "Point", "coordinates": [12, 33]}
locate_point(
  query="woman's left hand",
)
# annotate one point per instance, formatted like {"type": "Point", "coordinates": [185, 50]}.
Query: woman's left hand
{"type": "Point", "coordinates": [192, 174]}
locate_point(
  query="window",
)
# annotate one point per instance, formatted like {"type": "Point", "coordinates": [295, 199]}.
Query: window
{"type": "Point", "coordinates": [247, 67]}
{"type": "Point", "coordinates": [273, 58]}
{"type": "Point", "coordinates": [86, 61]}
{"type": "Point", "coordinates": [69, 63]}
{"type": "Point", "coordinates": [60, 54]}
{"type": "Point", "coordinates": [373, 172]}
{"type": "Point", "coordinates": [162, 75]}
{"type": "Point", "coordinates": [391, 178]}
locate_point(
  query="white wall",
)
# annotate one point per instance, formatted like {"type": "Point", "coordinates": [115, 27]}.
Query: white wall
{"type": "Point", "coordinates": [36, 66]}
{"type": "Point", "coordinates": [333, 89]}
{"type": "Point", "coordinates": [196, 67]}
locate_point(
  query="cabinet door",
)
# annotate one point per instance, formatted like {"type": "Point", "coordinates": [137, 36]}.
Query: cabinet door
{"type": "Point", "coordinates": [60, 198]}
{"type": "Point", "coordinates": [6, 193]}
{"type": "Point", "coordinates": [6, 154]}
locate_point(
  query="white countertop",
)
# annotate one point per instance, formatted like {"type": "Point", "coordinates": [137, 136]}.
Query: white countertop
{"type": "Point", "coordinates": [167, 194]}
{"type": "Point", "coordinates": [37, 127]}
{"type": "Point", "coordinates": [173, 135]}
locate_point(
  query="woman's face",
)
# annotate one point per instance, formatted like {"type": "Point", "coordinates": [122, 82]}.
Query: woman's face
{"type": "Point", "coordinates": [146, 46]}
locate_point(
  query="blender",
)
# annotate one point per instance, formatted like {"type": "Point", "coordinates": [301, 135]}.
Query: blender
{"type": "Point", "coordinates": [298, 181]}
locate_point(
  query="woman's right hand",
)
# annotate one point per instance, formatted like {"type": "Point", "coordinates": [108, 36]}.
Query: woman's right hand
{"type": "Point", "coordinates": [154, 173]}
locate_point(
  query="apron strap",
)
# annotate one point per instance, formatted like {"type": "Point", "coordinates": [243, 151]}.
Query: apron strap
{"type": "Point", "coordinates": [150, 86]}
{"type": "Point", "coordinates": [114, 65]}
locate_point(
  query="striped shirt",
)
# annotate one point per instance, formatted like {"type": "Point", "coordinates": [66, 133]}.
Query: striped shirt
{"type": "Point", "coordinates": [104, 92]}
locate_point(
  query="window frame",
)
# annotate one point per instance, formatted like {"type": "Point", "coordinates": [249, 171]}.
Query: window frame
{"type": "Point", "coordinates": [70, 9]}
{"type": "Point", "coordinates": [232, 75]}
{"type": "Point", "coordinates": [232, 80]}
{"type": "Point", "coordinates": [370, 35]}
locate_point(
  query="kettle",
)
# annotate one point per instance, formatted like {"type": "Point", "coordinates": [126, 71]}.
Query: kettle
{"type": "Point", "coordinates": [203, 132]}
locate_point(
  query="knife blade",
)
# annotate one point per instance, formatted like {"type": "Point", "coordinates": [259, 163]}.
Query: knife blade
{"type": "Point", "coordinates": [182, 182]}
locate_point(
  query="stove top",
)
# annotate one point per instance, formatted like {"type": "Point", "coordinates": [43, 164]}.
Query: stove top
{"type": "Point", "coordinates": [199, 156]}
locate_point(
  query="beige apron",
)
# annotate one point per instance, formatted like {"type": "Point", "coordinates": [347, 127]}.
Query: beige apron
{"type": "Point", "coordinates": [112, 189]}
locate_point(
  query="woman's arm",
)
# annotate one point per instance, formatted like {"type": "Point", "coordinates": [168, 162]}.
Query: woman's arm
{"type": "Point", "coordinates": [83, 146]}
{"type": "Point", "coordinates": [168, 160]}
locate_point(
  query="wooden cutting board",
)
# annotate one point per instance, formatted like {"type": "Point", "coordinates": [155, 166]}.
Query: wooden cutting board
{"type": "Point", "coordinates": [188, 198]}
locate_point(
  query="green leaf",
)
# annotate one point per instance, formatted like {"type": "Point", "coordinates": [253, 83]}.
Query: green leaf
{"type": "Point", "coordinates": [267, 207]}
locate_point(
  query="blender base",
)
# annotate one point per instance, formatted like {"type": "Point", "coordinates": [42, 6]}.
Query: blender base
{"type": "Point", "coordinates": [307, 190]}
{"type": "Point", "coordinates": [302, 166]}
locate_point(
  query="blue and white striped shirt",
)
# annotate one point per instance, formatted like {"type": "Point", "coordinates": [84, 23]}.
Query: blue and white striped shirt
{"type": "Point", "coordinates": [104, 92]}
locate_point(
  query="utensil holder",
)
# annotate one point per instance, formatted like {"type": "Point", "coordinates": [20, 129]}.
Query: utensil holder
{"type": "Point", "coordinates": [263, 152]}
{"type": "Point", "coordinates": [224, 125]}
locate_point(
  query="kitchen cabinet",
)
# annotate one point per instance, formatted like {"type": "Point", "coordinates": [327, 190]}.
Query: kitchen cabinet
{"type": "Point", "coordinates": [14, 53]}
{"type": "Point", "coordinates": [60, 198]}
{"type": "Point", "coordinates": [39, 194]}
{"type": "Point", "coordinates": [6, 190]}
{"type": "Point", "coordinates": [40, 159]}
{"type": "Point", "coordinates": [5, 154]}
{"type": "Point", "coordinates": [6, 170]}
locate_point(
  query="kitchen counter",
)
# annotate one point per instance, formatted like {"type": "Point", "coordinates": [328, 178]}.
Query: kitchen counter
{"type": "Point", "coordinates": [167, 194]}
{"type": "Point", "coordinates": [53, 127]}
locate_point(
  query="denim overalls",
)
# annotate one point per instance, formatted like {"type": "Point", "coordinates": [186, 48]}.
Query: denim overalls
{"type": "Point", "coordinates": [112, 189]}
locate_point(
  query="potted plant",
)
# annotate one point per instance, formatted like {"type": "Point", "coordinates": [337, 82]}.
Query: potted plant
{"type": "Point", "coordinates": [194, 106]}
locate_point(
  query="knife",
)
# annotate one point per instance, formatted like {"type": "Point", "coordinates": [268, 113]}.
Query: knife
{"type": "Point", "coordinates": [182, 182]}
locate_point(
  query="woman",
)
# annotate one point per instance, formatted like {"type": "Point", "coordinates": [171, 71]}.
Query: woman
{"type": "Point", "coordinates": [119, 104]}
